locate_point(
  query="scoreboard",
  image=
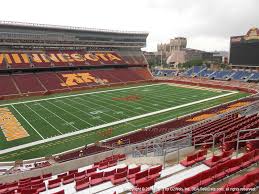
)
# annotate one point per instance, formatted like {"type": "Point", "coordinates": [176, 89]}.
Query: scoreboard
{"type": "Point", "coordinates": [244, 50]}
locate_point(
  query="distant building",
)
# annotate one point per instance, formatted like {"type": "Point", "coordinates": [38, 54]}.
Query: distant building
{"type": "Point", "coordinates": [176, 44]}
{"type": "Point", "coordinates": [154, 58]}
{"type": "Point", "coordinates": [221, 56]}
{"type": "Point", "coordinates": [244, 50]}
{"type": "Point", "coordinates": [176, 52]}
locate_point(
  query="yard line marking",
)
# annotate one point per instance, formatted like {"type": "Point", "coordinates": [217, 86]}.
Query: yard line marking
{"type": "Point", "coordinates": [83, 94]}
{"type": "Point", "coordinates": [99, 105]}
{"type": "Point", "coordinates": [106, 99]}
{"type": "Point", "coordinates": [141, 104]}
{"type": "Point", "coordinates": [127, 104]}
{"type": "Point", "coordinates": [88, 107]}
{"type": "Point", "coordinates": [107, 108]}
{"type": "Point", "coordinates": [27, 122]}
{"type": "Point", "coordinates": [109, 124]}
{"type": "Point", "coordinates": [43, 118]}
{"type": "Point", "coordinates": [79, 110]}
{"type": "Point", "coordinates": [145, 96]}
{"type": "Point", "coordinates": [69, 123]}
{"type": "Point", "coordinates": [70, 113]}
{"type": "Point", "coordinates": [166, 97]}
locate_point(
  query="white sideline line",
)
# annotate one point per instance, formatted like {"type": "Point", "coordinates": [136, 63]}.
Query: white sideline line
{"type": "Point", "coordinates": [27, 121]}
{"type": "Point", "coordinates": [109, 124]}
{"type": "Point", "coordinates": [73, 95]}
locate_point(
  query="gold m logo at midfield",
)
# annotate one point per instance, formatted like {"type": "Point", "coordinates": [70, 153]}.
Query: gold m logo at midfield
{"type": "Point", "coordinates": [75, 79]}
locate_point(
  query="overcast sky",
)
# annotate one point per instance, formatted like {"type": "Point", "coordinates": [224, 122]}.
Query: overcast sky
{"type": "Point", "coordinates": [207, 24]}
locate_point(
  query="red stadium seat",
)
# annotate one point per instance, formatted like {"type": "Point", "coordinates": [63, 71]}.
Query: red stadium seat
{"type": "Point", "coordinates": [119, 178]}
{"type": "Point", "coordinates": [54, 183]}
{"type": "Point", "coordinates": [80, 175]}
{"type": "Point", "coordinates": [119, 170]}
{"type": "Point", "coordinates": [139, 177]}
{"type": "Point", "coordinates": [190, 160]}
{"type": "Point", "coordinates": [154, 172]}
{"type": "Point", "coordinates": [133, 171]}
{"type": "Point", "coordinates": [144, 186]}
{"type": "Point", "coordinates": [207, 177]}
{"type": "Point", "coordinates": [96, 178]}
{"type": "Point", "coordinates": [82, 184]}
{"type": "Point", "coordinates": [107, 176]}
{"type": "Point", "coordinates": [213, 161]}
{"type": "Point", "coordinates": [68, 179]}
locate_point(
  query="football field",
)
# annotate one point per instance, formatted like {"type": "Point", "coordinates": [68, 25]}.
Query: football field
{"type": "Point", "coordinates": [46, 126]}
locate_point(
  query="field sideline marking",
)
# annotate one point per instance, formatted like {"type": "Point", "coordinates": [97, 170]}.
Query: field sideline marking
{"type": "Point", "coordinates": [110, 124]}
{"type": "Point", "coordinates": [27, 122]}
{"type": "Point", "coordinates": [73, 95]}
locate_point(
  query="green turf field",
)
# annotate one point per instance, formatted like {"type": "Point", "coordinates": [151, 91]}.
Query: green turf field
{"type": "Point", "coordinates": [62, 122]}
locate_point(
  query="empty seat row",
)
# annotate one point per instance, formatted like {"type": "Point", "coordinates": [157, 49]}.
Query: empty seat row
{"type": "Point", "coordinates": [198, 71]}
{"type": "Point", "coordinates": [216, 159]}
{"type": "Point", "coordinates": [51, 82]}
{"type": "Point", "coordinates": [214, 174]}
{"type": "Point", "coordinates": [27, 185]}
{"type": "Point", "coordinates": [118, 176]}
{"type": "Point", "coordinates": [194, 158]}
{"type": "Point", "coordinates": [241, 184]}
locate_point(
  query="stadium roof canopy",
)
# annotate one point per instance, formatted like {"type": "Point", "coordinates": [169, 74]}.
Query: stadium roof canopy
{"type": "Point", "coordinates": [49, 26]}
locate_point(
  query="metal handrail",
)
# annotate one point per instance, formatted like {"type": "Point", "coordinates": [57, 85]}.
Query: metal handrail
{"type": "Point", "coordinates": [244, 140]}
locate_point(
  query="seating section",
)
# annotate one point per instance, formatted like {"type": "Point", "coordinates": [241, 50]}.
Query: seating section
{"type": "Point", "coordinates": [86, 177]}
{"type": "Point", "coordinates": [241, 183]}
{"type": "Point", "coordinates": [142, 180]}
{"type": "Point", "coordinates": [28, 83]}
{"type": "Point", "coordinates": [229, 126]}
{"type": "Point", "coordinates": [194, 158]}
{"type": "Point", "coordinates": [55, 70]}
{"type": "Point", "coordinates": [193, 71]}
{"type": "Point", "coordinates": [29, 185]}
{"type": "Point", "coordinates": [214, 160]}
{"type": "Point", "coordinates": [51, 81]}
{"type": "Point", "coordinates": [68, 58]}
{"type": "Point", "coordinates": [216, 173]}
{"type": "Point", "coordinates": [47, 82]}
{"type": "Point", "coordinates": [7, 86]}
{"type": "Point", "coordinates": [144, 187]}
{"type": "Point", "coordinates": [201, 71]}
{"type": "Point", "coordinates": [221, 75]}
{"type": "Point", "coordinates": [254, 77]}
{"type": "Point", "coordinates": [145, 74]}
{"type": "Point", "coordinates": [164, 72]}
{"type": "Point", "coordinates": [252, 145]}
